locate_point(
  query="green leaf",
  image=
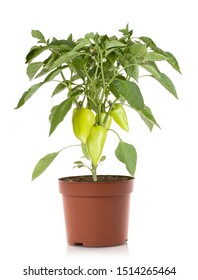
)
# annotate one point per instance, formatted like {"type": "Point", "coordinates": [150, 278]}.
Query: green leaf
{"type": "Point", "coordinates": [138, 50]}
{"type": "Point", "coordinates": [85, 151]}
{"type": "Point", "coordinates": [28, 94]}
{"type": "Point", "coordinates": [126, 31]}
{"type": "Point", "coordinates": [160, 77]}
{"type": "Point", "coordinates": [79, 65]}
{"type": "Point", "coordinates": [79, 166]}
{"type": "Point", "coordinates": [148, 123]}
{"type": "Point", "coordinates": [37, 34]}
{"type": "Point", "coordinates": [33, 68]}
{"type": "Point", "coordinates": [103, 158]}
{"type": "Point", "coordinates": [60, 87]}
{"type": "Point", "coordinates": [50, 59]}
{"type": "Point", "coordinates": [53, 74]}
{"type": "Point", "coordinates": [167, 83]}
{"type": "Point", "coordinates": [53, 110]}
{"type": "Point", "coordinates": [126, 153]}
{"type": "Point", "coordinates": [154, 56]}
{"type": "Point", "coordinates": [172, 61]}
{"type": "Point", "coordinates": [44, 71]}
{"type": "Point", "coordinates": [43, 163]}
{"type": "Point", "coordinates": [114, 44]}
{"type": "Point", "coordinates": [131, 66]}
{"type": "Point", "coordinates": [65, 58]}
{"type": "Point", "coordinates": [78, 162]}
{"type": "Point", "coordinates": [82, 43]}
{"type": "Point", "coordinates": [148, 41]}
{"type": "Point", "coordinates": [90, 36]}
{"type": "Point", "coordinates": [34, 52]}
{"type": "Point", "coordinates": [152, 68]}
{"type": "Point", "coordinates": [60, 113]}
{"type": "Point", "coordinates": [170, 57]}
{"type": "Point", "coordinates": [60, 45]}
{"type": "Point", "coordinates": [148, 117]}
{"type": "Point", "coordinates": [130, 91]}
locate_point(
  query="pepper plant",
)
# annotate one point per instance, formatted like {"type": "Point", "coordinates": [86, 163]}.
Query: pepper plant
{"type": "Point", "coordinates": [99, 75]}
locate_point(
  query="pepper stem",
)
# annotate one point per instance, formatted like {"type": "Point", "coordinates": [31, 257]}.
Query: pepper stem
{"type": "Point", "coordinates": [93, 171]}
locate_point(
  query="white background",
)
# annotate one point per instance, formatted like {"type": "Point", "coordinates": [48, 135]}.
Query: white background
{"type": "Point", "coordinates": [163, 219]}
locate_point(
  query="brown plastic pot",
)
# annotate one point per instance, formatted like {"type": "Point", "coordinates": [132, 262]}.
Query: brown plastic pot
{"type": "Point", "coordinates": [96, 213]}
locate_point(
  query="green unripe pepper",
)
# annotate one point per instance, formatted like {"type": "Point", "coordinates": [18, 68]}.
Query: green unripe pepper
{"type": "Point", "coordinates": [119, 115]}
{"type": "Point", "coordinates": [103, 116]}
{"type": "Point", "coordinates": [95, 142]}
{"type": "Point", "coordinates": [83, 119]}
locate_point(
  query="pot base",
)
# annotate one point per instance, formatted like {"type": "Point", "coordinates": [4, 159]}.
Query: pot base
{"type": "Point", "coordinates": [94, 243]}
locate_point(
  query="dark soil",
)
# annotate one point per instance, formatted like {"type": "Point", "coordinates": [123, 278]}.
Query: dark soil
{"type": "Point", "coordinates": [100, 178]}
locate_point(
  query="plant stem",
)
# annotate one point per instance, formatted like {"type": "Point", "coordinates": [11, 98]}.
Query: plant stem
{"type": "Point", "coordinates": [115, 133]}
{"type": "Point", "coordinates": [102, 70]}
{"type": "Point", "coordinates": [104, 88]}
{"type": "Point", "coordinates": [93, 171]}
{"type": "Point", "coordinates": [109, 111]}
{"type": "Point", "coordinates": [62, 75]}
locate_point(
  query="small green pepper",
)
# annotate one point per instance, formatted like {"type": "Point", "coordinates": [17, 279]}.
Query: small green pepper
{"type": "Point", "coordinates": [83, 119]}
{"type": "Point", "coordinates": [95, 143]}
{"type": "Point", "coordinates": [119, 115]}
{"type": "Point", "coordinates": [103, 116]}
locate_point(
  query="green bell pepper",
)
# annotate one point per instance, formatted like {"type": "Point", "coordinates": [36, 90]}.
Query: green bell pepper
{"type": "Point", "coordinates": [119, 115]}
{"type": "Point", "coordinates": [83, 119]}
{"type": "Point", "coordinates": [95, 143]}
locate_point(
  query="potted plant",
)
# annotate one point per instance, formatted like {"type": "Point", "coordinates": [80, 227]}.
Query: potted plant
{"type": "Point", "coordinates": [100, 75]}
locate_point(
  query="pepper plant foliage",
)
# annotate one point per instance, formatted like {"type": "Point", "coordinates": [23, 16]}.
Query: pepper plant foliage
{"type": "Point", "coordinates": [99, 75]}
